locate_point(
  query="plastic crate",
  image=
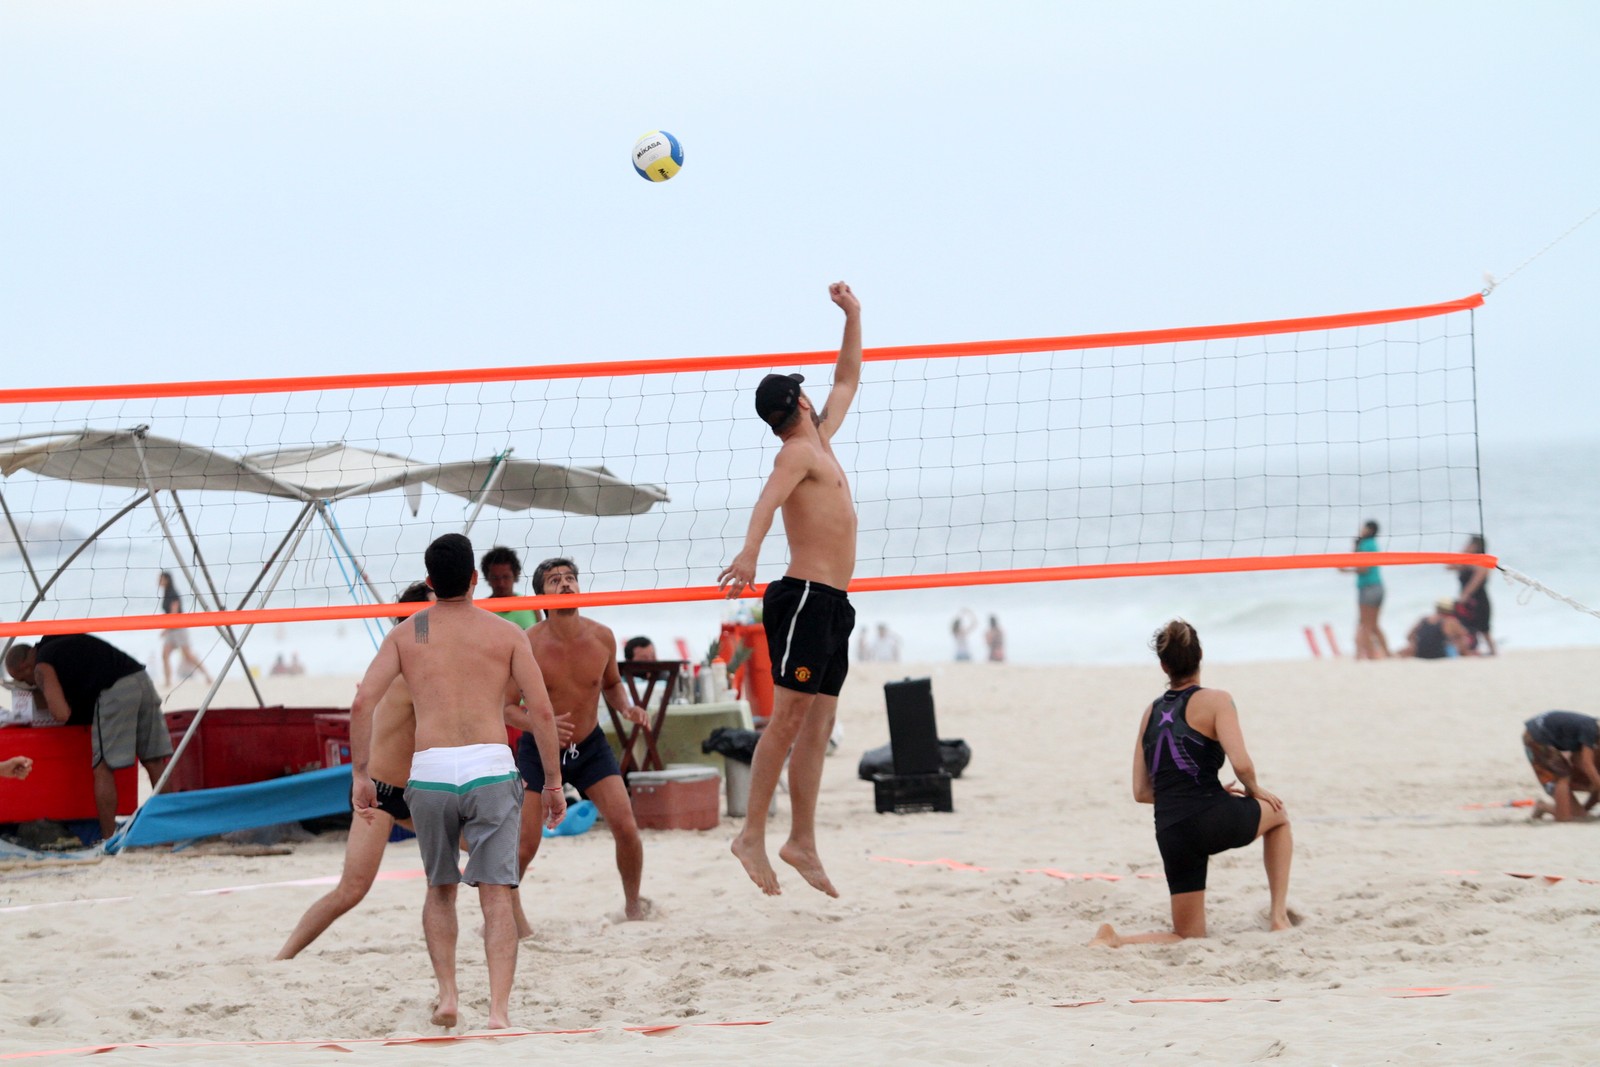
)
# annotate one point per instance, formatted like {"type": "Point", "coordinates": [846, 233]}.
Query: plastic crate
{"type": "Point", "coordinates": [905, 793]}
{"type": "Point", "coordinates": [236, 746]}
{"type": "Point", "coordinates": [333, 735]}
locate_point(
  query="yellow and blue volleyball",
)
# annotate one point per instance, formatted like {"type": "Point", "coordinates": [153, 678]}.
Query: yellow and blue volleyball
{"type": "Point", "coordinates": [657, 156]}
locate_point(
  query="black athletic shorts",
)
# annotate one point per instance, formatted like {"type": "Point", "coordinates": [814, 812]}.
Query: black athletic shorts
{"type": "Point", "coordinates": [582, 764]}
{"type": "Point", "coordinates": [1187, 846]}
{"type": "Point", "coordinates": [392, 800]}
{"type": "Point", "coordinates": [808, 628]}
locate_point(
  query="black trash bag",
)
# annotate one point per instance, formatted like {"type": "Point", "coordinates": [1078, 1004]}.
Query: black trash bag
{"type": "Point", "coordinates": [732, 743]}
{"type": "Point", "coordinates": [954, 755]}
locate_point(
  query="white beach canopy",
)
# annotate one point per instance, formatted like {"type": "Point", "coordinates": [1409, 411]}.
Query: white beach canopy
{"type": "Point", "coordinates": [137, 459]}
{"type": "Point", "coordinates": [317, 476]}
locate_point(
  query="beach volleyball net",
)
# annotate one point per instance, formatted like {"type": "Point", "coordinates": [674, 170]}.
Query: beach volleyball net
{"type": "Point", "coordinates": [1239, 447]}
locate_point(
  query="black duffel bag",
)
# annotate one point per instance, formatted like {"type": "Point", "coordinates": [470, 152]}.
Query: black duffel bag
{"type": "Point", "coordinates": [954, 754]}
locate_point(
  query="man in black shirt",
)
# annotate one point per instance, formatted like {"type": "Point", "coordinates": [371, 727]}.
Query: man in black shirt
{"type": "Point", "coordinates": [1561, 747]}
{"type": "Point", "coordinates": [85, 681]}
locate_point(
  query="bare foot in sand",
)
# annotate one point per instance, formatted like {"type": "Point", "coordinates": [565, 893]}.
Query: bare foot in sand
{"type": "Point", "coordinates": [1287, 921]}
{"type": "Point", "coordinates": [1106, 937]}
{"type": "Point", "coordinates": [445, 1014]}
{"type": "Point", "coordinates": [524, 931]}
{"type": "Point", "coordinates": [809, 865]}
{"type": "Point", "coordinates": [754, 857]}
{"type": "Point", "coordinates": [498, 1022]}
{"type": "Point", "coordinates": [639, 911]}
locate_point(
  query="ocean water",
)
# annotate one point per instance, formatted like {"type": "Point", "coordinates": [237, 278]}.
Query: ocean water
{"type": "Point", "coordinates": [1541, 507]}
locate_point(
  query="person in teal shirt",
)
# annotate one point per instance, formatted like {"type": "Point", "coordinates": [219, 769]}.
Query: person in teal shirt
{"type": "Point", "coordinates": [1370, 642]}
{"type": "Point", "coordinates": [502, 570]}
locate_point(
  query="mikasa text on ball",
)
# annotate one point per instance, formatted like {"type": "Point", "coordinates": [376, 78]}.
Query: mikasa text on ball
{"type": "Point", "coordinates": [657, 156]}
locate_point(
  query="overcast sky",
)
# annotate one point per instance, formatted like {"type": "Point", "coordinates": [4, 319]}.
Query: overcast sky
{"type": "Point", "coordinates": [195, 190]}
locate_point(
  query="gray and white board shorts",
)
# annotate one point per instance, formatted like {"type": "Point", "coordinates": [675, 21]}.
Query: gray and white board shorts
{"type": "Point", "coordinates": [472, 792]}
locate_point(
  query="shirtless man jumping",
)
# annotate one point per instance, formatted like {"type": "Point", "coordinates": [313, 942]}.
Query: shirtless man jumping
{"type": "Point", "coordinates": [578, 658]}
{"type": "Point", "coordinates": [457, 660]}
{"type": "Point", "coordinates": [808, 617]}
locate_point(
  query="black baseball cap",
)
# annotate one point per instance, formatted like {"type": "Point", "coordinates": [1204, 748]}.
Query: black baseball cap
{"type": "Point", "coordinates": [777, 396]}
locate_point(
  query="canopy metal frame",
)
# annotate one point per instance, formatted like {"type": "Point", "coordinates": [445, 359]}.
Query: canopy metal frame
{"type": "Point", "coordinates": [598, 492]}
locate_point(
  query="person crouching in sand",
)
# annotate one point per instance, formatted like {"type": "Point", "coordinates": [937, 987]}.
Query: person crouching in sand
{"type": "Point", "coordinates": [1183, 738]}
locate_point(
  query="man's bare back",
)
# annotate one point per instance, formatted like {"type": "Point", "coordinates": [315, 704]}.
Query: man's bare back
{"type": "Point", "coordinates": [457, 660]}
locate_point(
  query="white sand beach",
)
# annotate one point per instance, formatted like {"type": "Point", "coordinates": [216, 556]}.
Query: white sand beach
{"type": "Point", "coordinates": [959, 938]}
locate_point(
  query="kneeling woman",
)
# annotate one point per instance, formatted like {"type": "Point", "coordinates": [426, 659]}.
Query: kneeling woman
{"type": "Point", "coordinates": [1183, 739]}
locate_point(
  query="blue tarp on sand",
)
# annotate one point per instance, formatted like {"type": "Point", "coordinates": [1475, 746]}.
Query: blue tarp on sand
{"type": "Point", "coordinates": [170, 817]}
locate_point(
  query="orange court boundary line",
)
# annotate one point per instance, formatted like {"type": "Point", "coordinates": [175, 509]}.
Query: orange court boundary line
{"type": "Point", "coordinates": [335, 1043]}
{"type": "Point", "coordinates": [617, 368]}
{"type": "Point", "coordinates": [628, 597]}
{"type": "Point", "coordinates": [1393, 993]}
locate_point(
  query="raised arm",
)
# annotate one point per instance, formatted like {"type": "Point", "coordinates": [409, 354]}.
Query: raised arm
{"type": "Point", "coordinates": [1231, 737]}
{"type": "Point", "coordinates": [1143, 789]}
{"type": "Point", "coordinates": [541, 723]}
{"type": "Point", "coordinates": [847, 371]}
{"type": "Point", "coordinates": [787, 472]}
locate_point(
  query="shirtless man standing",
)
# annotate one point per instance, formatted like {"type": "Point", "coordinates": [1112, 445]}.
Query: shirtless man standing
{"type": "Point", "coordinates": [457, 660]}
{"type": "Point", "coordinates": [807, 616]}
{"type": "Point", "coordinates": [578, 658]}
{"type": "Point", "coordinates": [392, 725]}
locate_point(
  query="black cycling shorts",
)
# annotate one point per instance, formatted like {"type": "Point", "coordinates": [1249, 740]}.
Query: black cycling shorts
{"type": "Point", "coordinates": [1188, 845]}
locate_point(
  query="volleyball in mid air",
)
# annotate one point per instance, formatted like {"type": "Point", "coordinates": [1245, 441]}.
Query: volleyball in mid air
{"type": "Point", "coordinates": [657, 156]}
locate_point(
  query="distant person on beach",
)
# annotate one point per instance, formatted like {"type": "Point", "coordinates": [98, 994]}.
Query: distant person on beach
{"type": "Point", "coordinates": [391, 727]}
{"type": "Point", "coordinates": [16, 767]}
{"type": "Point", "coordinates": [1438, 634]}
{"type": "Point", "coordinates": [886, 645]}
{"type": "Point", "coordinates": [175, 640]}
{"type": "Point", "coordinates": [864, 646]}
{"type": "Point", "coordinates": [578, 658]}
{"type": "Point", "coordinates": [457, 661]}
{"type": "Point", "coordinates": [502, 570]}
{"type": "Point", "coordinates": [86, 681]}
{"type": "Point", "coordinates": [995, 638]}
{"type": "Point", "coordinates": [1370, 642]}
{"type": "Point", "coordinates": [1560, 746]}
{"type": "Point", "coordinates": [807, 615]}
{"type": "Point", "coordinates": [1472, 603]}
{"type": "Point", "coordinates": [1184, 737]}
{"type": "Point", "coordinates": [639, 650]}
{"type": "Point", "coordinates": [961, 628]}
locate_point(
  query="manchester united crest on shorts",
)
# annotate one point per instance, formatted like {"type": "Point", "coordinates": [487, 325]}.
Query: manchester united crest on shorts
{"type": "Point", "coordinates": [802, 674]}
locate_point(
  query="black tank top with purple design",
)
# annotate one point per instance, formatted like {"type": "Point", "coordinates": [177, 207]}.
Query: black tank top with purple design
{"type": "Point", "coordinates": [1183, 763]}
